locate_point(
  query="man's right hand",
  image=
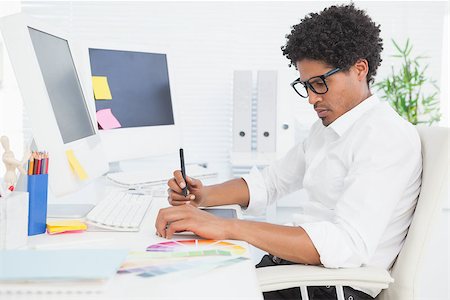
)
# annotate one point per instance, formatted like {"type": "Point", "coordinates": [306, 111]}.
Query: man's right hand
{"type": "Point", "coordinates": [195, 190]}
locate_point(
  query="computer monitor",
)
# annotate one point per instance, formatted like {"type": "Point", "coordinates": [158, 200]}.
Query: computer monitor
{"type": "Point", "coordinates": [60, 110]}
{"type": "Point", "coordinates": [140, 100]}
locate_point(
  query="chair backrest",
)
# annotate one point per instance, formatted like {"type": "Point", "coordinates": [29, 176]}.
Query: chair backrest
{"type": "Point", "coordinates": [434, 190]}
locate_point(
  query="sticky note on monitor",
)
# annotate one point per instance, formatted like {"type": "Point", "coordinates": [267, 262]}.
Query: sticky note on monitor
{"type": "Point", "coordinates": [75, 165]}
{"type": "Point", "coordinates": [101, 88]}
{"type": "Point", "coordinates": [107, 120]}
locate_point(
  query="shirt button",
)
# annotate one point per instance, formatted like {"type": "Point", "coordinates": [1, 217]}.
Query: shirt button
{"type": "Point", "coordinates": [350, 297]}
{"type": "Point", "coordinates": [276, 260]}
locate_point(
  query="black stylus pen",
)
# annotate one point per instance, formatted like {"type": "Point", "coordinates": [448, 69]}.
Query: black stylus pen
{"type": "Point", "coordinates": [183, 172]}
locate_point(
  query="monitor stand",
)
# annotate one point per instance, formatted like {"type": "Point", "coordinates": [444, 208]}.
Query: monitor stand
{"type": "Point", "coordinates": [68, 211]}
{"type": "Point", "coordinates": [57, 210]}
{"type": "Point", "coordinates": [114, 167]}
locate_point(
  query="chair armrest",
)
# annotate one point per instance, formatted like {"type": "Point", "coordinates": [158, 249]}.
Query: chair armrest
{"type": "Point", "coordinates": [288, 276]}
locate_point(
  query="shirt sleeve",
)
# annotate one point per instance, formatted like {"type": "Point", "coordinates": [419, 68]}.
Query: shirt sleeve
{"type": "Point", "coordinates": [282, 177]}
{"type": "Point", "coordinates": [381, 174]}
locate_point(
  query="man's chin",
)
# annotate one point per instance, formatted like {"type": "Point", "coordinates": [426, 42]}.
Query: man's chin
{"type": "Point", "coordinates": [325, 122]}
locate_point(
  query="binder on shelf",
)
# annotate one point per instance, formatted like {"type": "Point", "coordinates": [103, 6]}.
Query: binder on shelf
{"type": "Point", "coordinates": [289, 106]}
{"type": "Point", "coordinates": [242, 111]}
{"type": "Point", "coordinates": [267, 112]}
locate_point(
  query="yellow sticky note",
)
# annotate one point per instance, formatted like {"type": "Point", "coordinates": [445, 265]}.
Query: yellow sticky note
{"type": "Point", "coordinates": [101, 88]}
{"type": "Point", "coordinates": [61, 226]}
{"type": "Point", "coordinates": [66, 223]}
{"type": "Point", "coordinates": [76, 166]}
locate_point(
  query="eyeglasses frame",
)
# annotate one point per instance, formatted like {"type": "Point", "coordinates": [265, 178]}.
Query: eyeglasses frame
{"type": "Point", "coordinates": [308, 85]}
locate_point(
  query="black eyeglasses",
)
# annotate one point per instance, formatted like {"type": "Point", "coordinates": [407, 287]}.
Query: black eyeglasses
{"type": "Point", "coordinates": [317, 84]}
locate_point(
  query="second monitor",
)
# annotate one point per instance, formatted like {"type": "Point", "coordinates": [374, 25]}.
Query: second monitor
{"type": "Point", "coordinates": [135, 109]}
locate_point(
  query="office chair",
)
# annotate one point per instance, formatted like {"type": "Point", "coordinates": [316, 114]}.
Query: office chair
{"type": "Point", "coordinates": [402, 282]}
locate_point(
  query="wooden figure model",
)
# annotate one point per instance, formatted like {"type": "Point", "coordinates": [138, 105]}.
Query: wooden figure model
{"type": "Point", "coordinates": [11, 164]}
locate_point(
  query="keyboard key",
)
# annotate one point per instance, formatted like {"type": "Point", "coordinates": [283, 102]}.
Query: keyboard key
{"type": "Point", "coordinates": [120, 211]}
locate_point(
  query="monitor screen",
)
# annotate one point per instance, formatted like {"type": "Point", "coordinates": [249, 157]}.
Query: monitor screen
{"type": "Point", "coordinates": [138, 84]}
{"type": "Point", "coordinates": [63, 86]}
{"type": "Point", "coordinates": [47, 71]}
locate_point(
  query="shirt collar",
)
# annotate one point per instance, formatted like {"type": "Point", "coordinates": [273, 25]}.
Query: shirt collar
{"type": "Point", "coordinates": [344, 122]}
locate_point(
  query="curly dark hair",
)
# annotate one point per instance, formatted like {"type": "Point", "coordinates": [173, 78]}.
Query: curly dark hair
{"type": "Point", "coordinates": [339, 36]}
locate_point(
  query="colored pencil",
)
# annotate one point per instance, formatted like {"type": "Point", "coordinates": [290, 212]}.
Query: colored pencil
{"type": "Point", "coordinates": [30, 166]}
{"type": "Point", "coordinates": [46, 164]}
{"type": "Point", "coordinates": [39, 164]}
{"type": "Point", "coordinates": [42, 165]}
{"type": "Point", "coordinates": [35, 163]}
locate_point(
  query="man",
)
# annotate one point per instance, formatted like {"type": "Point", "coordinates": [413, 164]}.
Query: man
{"type": "Point", "coordinates": [360, 165]}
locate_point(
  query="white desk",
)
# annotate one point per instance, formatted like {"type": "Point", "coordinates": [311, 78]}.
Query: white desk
{"type": "Point", "coordinates": [237, 281]}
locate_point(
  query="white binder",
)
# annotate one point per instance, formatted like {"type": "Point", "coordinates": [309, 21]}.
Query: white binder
{"type": "Point", "coordinates": [242, 111]}
{"type": "Point", "coordinates": [267, 112]}
{"type": "Point", "coordinates": [295, 115]}
{"type": "Point", "coordinates": [290, 106]}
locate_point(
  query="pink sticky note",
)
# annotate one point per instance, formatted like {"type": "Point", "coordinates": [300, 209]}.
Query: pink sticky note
{"type": "Point", "coordinates": [107, 120]}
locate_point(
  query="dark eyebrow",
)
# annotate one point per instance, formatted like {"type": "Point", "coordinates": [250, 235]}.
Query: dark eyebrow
{"type": "Point", "coordinates": [312, 76]}
{"type": "Point", "coordinates": [309, 78]}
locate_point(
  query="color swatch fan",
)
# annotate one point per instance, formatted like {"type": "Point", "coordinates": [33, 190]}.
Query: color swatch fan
{"type": "Point", "coordinates": [193, 256]}
{"type": "Point", "coordinates": [187, 248]}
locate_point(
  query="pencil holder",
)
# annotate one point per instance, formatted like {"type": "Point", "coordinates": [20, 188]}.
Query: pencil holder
{"type": "Point", "coordinates": [14, 220]}
{"type": "Point", "coordinates": [37, 213]}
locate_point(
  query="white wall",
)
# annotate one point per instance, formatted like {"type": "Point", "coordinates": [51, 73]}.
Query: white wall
{"type": "Point", "coordinates": [445, 118]}
{"type": "Point", "coordinates": [11, 121]}
{"type": "Point", "coordinates": [209, 40]}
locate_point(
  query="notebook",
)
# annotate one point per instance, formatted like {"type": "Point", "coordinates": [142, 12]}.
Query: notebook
{"type": "Point", "coordinates": [37, 265]}
{"type": "Point", "coordinates": [53, 288]}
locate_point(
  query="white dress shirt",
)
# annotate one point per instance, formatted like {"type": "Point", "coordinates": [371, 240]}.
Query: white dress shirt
{"type": "Point", "coordinates": [362, 174]}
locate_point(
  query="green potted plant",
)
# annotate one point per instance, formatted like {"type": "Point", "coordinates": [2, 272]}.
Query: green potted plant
{"type": "Point", "coordinates": [405, 89]}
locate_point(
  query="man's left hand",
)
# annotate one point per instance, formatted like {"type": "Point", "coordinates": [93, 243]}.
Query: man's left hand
{"type": "Point", "coordinates": [190, 218]}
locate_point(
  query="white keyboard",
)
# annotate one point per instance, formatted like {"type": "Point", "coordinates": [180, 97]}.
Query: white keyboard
{"type": "Point", "coordinates": [120, 211]}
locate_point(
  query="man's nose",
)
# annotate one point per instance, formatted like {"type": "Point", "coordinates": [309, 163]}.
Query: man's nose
{"type": "Point", "coordinates": [313, 98]}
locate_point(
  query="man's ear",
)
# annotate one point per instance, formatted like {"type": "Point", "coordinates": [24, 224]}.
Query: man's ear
{"type": "Point", "coordinates": [361, 68]}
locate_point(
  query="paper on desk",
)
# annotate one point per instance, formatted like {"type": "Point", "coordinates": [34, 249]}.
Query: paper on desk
{"type": "Point", "coordinates": [142, 265]}
{"type": "Point", "coordinates": [54, 287]}
{"type": "Point", "coordinates": [75, 165]}
{"type": "Point", "coordinates": [44, 265]}
{"type": "Point", "coordinates": [101, 88]}
{"type": "Point", "coordinates": [107, 120]}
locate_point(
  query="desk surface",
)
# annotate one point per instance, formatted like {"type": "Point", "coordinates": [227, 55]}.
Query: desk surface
{"type": "Point", "coordinates": [236, 281]}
